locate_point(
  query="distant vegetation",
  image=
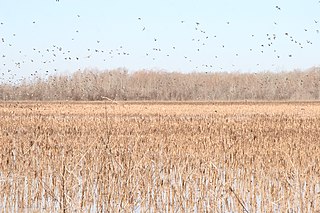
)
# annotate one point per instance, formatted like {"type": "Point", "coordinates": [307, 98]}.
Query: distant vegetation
{"type": "Point", "coordinates": [119, 84]}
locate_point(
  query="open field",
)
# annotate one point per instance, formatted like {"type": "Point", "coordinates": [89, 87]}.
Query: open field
{"type": "Point", "coordinates": [160, 157]}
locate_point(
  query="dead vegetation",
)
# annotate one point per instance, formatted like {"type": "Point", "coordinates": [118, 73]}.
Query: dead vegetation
{"type": "Point", "coordinates": [119, 84]}
{"type": "Point", "coordinates": [107, 157]}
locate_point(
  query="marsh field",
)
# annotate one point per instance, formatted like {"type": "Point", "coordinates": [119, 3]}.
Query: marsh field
{"type": "Point", "coordinates": [160, 156]}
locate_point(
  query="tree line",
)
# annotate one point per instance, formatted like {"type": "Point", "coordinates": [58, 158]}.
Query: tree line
{"type": "Point", "coordinates": [119, 84]}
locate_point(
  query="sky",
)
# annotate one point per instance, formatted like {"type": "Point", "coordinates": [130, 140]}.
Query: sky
{"type": "Point", "coordinates": [47, 37]}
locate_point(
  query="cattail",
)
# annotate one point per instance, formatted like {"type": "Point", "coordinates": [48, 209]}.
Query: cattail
{"type": "Point", "coordinates": [159, 156]}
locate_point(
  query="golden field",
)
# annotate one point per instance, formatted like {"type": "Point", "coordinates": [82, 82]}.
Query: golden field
{"type": "Point", "coordinates": [160, 157]}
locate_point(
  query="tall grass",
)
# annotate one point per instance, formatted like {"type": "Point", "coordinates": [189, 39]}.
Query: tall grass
{"type": "Point", "coordinates": [137, 157]}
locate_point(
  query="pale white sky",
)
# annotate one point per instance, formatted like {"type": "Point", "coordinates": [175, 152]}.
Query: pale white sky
{"type": "Point", "coordinates": [39, 37]}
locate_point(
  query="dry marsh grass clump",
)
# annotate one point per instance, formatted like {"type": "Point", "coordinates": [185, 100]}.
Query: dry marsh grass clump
{"type": "Point", "coordinates": [158, 157]}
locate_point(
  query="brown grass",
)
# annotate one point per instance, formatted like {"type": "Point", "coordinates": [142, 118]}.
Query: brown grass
{"type": "Point", "coordinates": [212, 157]}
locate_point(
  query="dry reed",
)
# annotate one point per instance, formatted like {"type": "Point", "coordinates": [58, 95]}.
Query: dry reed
{"type": "Point", "coordinates": [137, 157]}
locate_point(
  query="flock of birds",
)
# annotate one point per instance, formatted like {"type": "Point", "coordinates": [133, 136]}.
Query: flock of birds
{"type": "Point", "coordinates": [199, 39]}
